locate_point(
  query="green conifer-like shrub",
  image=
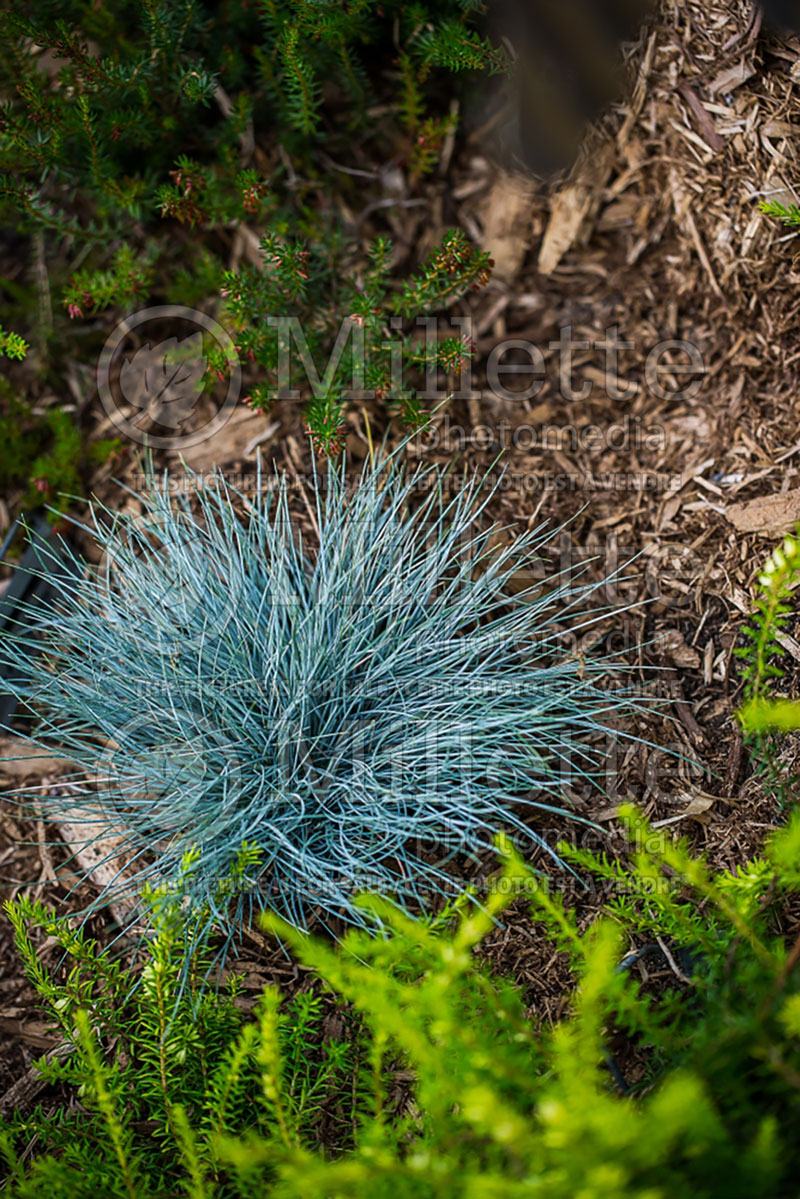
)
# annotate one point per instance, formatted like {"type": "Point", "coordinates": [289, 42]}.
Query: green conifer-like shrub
{"type": "Point", "coordinates": [211, 1103]}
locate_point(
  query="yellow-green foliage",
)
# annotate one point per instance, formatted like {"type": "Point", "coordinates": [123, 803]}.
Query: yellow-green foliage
{"type": "Point", "coordinates": [12, 345]}
{"type": "Point", "coordinates": [776, 581]}
{"type": "Point", "coordinates": [762, 715]}
{"type": "Point", "coordinates": [204, 1102]}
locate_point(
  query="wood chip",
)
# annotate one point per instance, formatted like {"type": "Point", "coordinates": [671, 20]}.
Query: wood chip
{"type": "Point", "coordinates": [233, 441]}
{"type": "Point", "coordinates": [19, 759]}
{"type": "Point", "coordinates": [697, 806]}
{"type": "Point", "coordinates": [704, 122]}
{"type": "Point", "coordinates": [570, 209]}
{"type": "Point", "coordinates": [732, 77]}
{"type": "Point", "coordinates": [671, 642]}
{"type": "Point", "coordinates": [507, 223]}
{"type": "Point", "coordinates": [98, 855]}
{"type": "Point", "coordinates": [768, 514]}
{"type": "Point", "coordinates": [21, 1093]}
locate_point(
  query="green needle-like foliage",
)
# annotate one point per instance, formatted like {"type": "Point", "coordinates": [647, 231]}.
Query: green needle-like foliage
{"type": "Point", "coordinates": [761, 714]}
{"type": "Point", "coordinates": [789, 215]}
{"type": "Point", "coordinates": [217, 1105]}
{"type": "Point", "coordinates": [12, 345]}
{"type": "Point", "coordinates": [104, 101]}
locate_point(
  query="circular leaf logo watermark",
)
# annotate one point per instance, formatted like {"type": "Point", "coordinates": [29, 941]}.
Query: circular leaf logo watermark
{"type": "Point", "coordinates": [160, 384]}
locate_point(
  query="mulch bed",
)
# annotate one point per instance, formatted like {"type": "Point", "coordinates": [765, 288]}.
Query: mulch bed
{"type": "Point", "coordinates": [656, 232]}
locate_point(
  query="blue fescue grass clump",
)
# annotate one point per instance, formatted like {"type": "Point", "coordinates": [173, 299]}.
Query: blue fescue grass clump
{"type": "Point", "coordinates": [354, 708]}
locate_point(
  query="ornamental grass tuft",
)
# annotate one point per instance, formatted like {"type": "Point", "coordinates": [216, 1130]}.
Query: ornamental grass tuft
{"type": "Point", "coordinates": [358, 707]}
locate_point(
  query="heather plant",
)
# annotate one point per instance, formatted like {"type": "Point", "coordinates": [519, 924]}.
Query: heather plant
{"type": "Point", "coordinates": [357, 705]}
{"type": "Point", "coordinates": [12, 345]}
{"type": "Point", "coordinates": [763, 715]}
{"type": "Point", "coordinates": [177, 1050]}
{"type": "Point", "coordinates": [127, 278]}
{"type": "Point", "coordinates": [219, 1104]}
{"type": "Point", "coordinates": [43, 456]}
{"type": "Point", "coordinates": [370, 324]}
{"type": "Point", "coordinates": [124, 133]}
{"type": "Point", "coordinates": [787, 214]}
{"type": "Point", "coordinates": [115, 118]}
{"type": "Point", "coordinates": [107, 101]}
